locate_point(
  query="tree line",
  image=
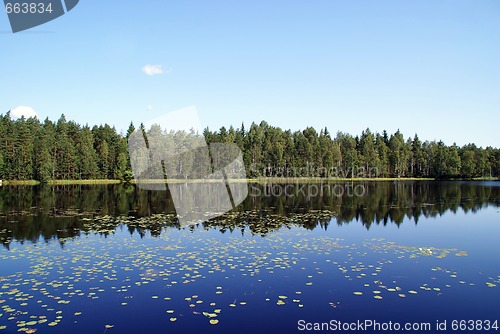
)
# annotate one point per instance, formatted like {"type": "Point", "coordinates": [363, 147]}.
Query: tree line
{"type": "Point", "coordinates": [271, 151]}
{"type": "Point", "coordinates": [37, 218]}
{"type": "Point", "coordinates": [34, 150]}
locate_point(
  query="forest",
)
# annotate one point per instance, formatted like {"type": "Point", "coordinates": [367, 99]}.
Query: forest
{"type": "Point", "coordinates": [64, 150]}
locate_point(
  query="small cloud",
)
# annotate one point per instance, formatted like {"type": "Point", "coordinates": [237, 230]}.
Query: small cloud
{"type": "Point", "coordinates": [149, 107]}
{"type": "Point", "coordinates": [21, 111]}
{"type": "Point", "coordinates": [155, 69]}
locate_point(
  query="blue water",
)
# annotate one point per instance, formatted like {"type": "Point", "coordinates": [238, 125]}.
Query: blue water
{"type": "Point", "coordinates": [437, 264]}
{"type": "Point", "coordinates": [447, 260]}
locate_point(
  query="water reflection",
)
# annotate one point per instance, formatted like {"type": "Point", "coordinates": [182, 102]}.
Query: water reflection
{"type": "Point", "coordinates": [60, 212]}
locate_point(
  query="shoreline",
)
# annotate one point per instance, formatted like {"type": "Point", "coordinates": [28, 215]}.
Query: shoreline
{"type": "Point", "coordinates": [248, 180]}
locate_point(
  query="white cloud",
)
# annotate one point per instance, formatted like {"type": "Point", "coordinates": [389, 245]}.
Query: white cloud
{"type": "Point", "coordinates": [155, 69]}
{"type": "Point", "coordinates": [21, 111]}
{"type": "Point", "coordinates": [149, 107]}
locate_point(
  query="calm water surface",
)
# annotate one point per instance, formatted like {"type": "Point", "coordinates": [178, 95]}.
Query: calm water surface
{"type": "Point", "coordinates": [76, 259]}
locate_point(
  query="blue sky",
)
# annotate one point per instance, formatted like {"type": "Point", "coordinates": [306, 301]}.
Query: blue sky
{"type": "Point", "coordinates": [430, 67]}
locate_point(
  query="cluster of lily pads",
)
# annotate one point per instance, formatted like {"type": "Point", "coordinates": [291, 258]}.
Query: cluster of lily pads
{"type": "Point", "coordinates": [259, 222]}
{"type": "Point", "coordinates": [51, 283]}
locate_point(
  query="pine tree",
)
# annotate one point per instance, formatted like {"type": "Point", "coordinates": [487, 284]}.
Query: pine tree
{"type": "Point", "coordinates": [103, 158]}
{"type": "Point", "coordinates": [87, 156]}
{"type": "Point", "coordinates": [42, 156]}
{"type": "Point", "coordinates": [65, 150]}
{"type": "Point", "coordinates": [66, 165]}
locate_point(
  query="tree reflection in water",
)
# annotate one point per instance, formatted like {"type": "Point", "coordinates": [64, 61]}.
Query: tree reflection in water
{"type": "Point", "coordinates": [59, 212]}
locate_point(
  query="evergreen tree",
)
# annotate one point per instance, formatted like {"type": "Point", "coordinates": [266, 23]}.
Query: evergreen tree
{"type": "Point", "coordinates": [87, 162]}
{"type": "Point", "coordinates": [66, 162]}
{"type": "Point", "coordinates": [383, 153]}
{"type": "Point", "coordinates": [43, 163]}
{"type": "Point", "coordinates": [65, 150]}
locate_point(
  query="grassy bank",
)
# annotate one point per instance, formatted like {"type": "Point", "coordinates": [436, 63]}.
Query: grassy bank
{"type": "Point", "coordinates": [291, 180]}
{"type": "Point", "coordinates": [486, 179]}
{"type": "Point", "coordinates": [20, 183]}
{"type": "Point", "coordinates": [58, 182]}
{"type": "Point", "coordinates": [254, 180]}
{"type": "Point", "coordinates": [284, 180]}
{"type": "Point", "coordinates": [331, 179]}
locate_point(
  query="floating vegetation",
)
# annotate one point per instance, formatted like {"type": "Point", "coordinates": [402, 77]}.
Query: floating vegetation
{"type": "Point", "coordinates": [233, 274]}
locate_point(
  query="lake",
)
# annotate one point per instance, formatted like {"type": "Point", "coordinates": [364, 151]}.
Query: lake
{"type": "Point", "coordinates": [114, 259]}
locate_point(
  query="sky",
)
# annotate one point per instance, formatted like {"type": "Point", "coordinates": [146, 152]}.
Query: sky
{"type": "Point", "coordinates": [426, 67]}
